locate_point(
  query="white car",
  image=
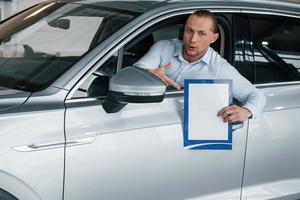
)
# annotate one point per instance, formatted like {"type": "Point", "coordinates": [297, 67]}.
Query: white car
{"type": "Point", "coordinates": [66, 133]}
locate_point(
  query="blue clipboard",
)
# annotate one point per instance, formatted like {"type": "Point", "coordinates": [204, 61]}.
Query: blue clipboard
{"type": "Point", "coordinates": [204, 133]}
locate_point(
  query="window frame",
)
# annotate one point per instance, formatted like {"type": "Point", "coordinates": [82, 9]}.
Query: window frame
{"type": "Point", "coordinates": [144, 26]}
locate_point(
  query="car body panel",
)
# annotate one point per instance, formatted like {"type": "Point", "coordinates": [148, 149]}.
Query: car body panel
{"type": "Point", "coordinates": [47, 165]}
{"type": "Point", "coordinates": [272, 167]}
{"type": "Point", "coordinates": [37, 172]}
{"type": "Point", "coordinates": [138, 153]}
{"type": "Point", "coordinates": [10, 98]}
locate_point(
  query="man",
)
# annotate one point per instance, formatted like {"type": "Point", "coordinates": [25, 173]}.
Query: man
{"type": "Point", "coordinates": [193, 58]}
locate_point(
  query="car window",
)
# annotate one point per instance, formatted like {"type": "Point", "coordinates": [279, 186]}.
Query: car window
{"type": "Point", "coordinates": [139, 46]}
{"type": "Point", "coordinates": [167, 29]}
{"type": "Point", "coordinates": [276, 48]}
{"type": "Point", "coordinates": [96, 85]}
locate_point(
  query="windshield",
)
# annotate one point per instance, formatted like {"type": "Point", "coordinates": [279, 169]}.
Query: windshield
{"type": "Point", "coordinates": [40, 44]}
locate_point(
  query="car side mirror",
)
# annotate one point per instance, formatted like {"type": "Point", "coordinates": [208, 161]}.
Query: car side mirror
{"type": "Point", "coordinates": [133, 85]}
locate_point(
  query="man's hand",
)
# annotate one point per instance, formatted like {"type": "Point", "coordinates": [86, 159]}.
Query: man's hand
{"type": "Point", "coordinates": [161, 73]}
{"type": "Point", "coordinates": [234, 114]}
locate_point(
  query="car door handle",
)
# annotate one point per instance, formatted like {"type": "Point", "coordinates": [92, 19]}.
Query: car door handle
{"type": "Point", "coordinates": [52, 145]}
{"type": "Point", "coordinates": [81, 141]}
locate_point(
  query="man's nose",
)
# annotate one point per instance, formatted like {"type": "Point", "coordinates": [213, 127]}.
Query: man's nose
{"type": "Point", "coordinates": [194, 38]}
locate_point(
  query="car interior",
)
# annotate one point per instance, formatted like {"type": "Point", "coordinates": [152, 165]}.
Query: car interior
{"type": "Point", "coordinates": [272, 41]}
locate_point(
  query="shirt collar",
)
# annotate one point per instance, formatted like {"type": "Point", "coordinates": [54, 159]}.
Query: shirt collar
{"type": "Point", "coordinates": [207, 55]}
{"type": "Point", "coordinates": [178, 49]}
{"type": "Point", "coordinates": [205, 58]}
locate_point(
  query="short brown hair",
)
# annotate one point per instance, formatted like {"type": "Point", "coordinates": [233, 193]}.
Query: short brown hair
{"type": "Point", "coordinates": [206, 13]}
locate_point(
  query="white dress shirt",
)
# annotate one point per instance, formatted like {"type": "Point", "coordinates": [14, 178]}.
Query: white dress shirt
{"type": "Point", "coordinates": [210, 66]}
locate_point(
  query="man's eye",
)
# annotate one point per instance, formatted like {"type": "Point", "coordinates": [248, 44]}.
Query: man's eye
{"type": "Point", "coordinates": [201, 34]}
{"type": "Point", "coordinates": [189, 30]}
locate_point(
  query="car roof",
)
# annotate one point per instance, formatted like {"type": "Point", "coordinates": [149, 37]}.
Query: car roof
{"type": "Point", "coordinates": [130, 5]}
{"type": "Point", "coordinates": [145, 5]}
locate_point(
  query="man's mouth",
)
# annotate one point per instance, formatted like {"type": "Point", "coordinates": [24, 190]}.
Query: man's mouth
{"type": "Point", "coordinates": [191, 48]}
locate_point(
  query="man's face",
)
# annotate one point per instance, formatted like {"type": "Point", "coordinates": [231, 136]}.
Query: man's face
{"type": "Point", "coordinates": [197, 37]}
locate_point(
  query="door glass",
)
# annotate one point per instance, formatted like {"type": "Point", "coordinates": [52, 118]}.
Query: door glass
{"type": "Point", "coordinates": [276, 45]}
{"type": "Point", "coordinates": [96, 85]}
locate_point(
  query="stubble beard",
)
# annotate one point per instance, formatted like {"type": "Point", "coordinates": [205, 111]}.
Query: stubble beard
{"type": "Point", "coordinates": [192, 56]}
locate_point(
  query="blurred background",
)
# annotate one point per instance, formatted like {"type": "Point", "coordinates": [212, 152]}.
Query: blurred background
{"type": "Point", "coordinates": [10, 7]}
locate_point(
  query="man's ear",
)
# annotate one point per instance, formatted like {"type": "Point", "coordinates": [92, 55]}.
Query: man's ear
{"type": "Point", "coordinates": [214, 38]}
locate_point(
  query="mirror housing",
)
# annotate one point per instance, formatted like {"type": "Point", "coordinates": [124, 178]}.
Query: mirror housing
{"type": "Point", "coordinates": [133, 85]}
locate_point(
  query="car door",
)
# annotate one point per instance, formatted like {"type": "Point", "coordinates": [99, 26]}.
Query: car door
{"type": "Point", "coordinates": [138, 153]}
{"type": "Point", "coordinates": [272, 167]}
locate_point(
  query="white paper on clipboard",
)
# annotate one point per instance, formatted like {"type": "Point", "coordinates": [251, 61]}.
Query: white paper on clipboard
{"type": "Point", "coordinates": [205, 101]}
